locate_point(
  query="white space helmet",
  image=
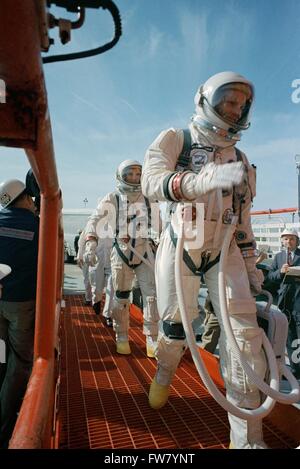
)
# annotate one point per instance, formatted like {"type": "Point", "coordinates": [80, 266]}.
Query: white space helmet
{"type": "Point", "coordinates": [122, 172]}
{"type": "Point", "coordinates": [290, 231]}
{"type": "Point", "coordinates": [10, 190]}
{"type": "Point", "coordinates": [209, 97]}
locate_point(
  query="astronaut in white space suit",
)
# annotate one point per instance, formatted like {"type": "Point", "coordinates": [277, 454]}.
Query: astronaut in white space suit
{"type": "Point", "coordinates": [109, 289]}
{"type": "Point", "coordinates": [202, 165]}
{"type": "Point", "coordinates": [98, 276]}
{"type": "Point", "coordinates": [98, 272]}
{"type": "Point", "coordinates": [85, 268]}
{"type": "Point", "coordinates": [127, 214]}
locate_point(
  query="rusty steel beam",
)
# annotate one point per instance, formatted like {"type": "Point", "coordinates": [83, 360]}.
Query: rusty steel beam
{"type": "Point", "coordinates": [24, 87]}
{"type": "Point", "coordinates": [32, 430]}
{"type": "Point", "coordinates": [25, 123]}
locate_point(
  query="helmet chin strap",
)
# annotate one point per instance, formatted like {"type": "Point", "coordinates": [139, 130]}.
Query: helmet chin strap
{"type": "Point", "coordinates": [132, 196]}
{"type": "Point", "coordinates": [215, 141]}
{"type": "Point", "coordinates": [223, 134]}
{"type": "Point", "coordinates": [126, 187]}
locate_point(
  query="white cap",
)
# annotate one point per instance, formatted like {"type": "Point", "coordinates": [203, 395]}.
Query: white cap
{"type": "Point", "coordinates": [4, 270]}
{"type": "Point", "coordinates": [290, 231]}
{"type": "Point", "coordinates": [10, 190]}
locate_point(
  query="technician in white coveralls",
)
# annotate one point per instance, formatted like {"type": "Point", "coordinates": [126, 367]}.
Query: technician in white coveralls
{"type": "Point", "coordinates": [127, 213]}
{"type": "Point", "coordinates": [209, 169]}
{"type": "Point", "coordinates": [97, 277]}
{"type": "Point", "coordinates": [97, 272]}
{"type": "Point", "coordinates": [109, 289]}
{"type": "Point", "coordinates": [85, 268]}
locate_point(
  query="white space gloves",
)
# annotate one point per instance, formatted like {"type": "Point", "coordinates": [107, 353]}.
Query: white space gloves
{"type": "Point", "coordinates": [213, 176]}
{"type": "Point", "coordinates": [90, 256]}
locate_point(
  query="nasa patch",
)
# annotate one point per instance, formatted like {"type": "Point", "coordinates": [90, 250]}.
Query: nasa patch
{"type": "Point", "coordinates": [199, 158]}
{"type": "Point", "coordinates": [227, 216]}
{"type": "Point", "coordinates": [240, 235]}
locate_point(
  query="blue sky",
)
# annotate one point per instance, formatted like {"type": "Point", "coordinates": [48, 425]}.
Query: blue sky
{"type": "Point", "coordinates": [110, 107]}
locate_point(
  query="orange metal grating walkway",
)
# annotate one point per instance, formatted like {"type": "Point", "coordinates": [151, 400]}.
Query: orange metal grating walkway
{"type": "Point", "coordinates": [103, 396]}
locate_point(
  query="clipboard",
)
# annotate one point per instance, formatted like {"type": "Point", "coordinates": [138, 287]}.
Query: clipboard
{"type": "Point", "coordinates": [292, 275]}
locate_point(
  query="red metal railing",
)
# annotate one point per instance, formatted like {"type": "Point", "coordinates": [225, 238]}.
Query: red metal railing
{"type": "Point", "coordinates": [272, 211]}
{"type": "Point", "coordinates": [25, 123]}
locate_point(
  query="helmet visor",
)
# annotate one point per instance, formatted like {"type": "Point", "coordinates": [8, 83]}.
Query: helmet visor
{"type": "Point", "coordinates": [132, 175]}
{"type": "Point", "coordinates": [232, 103]}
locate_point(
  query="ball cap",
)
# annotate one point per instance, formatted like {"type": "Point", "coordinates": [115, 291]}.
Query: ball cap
{"type": "Point", "coordinates": [4, 270]}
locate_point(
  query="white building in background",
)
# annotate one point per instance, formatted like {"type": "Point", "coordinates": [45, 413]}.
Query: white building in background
{"type": "Point", "coordinates": [73, 221]}
{"type": "Point", "coordinates": [267, 229]}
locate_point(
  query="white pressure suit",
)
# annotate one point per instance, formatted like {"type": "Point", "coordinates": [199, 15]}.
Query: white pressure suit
{"type": "Point", "coordinates": [84, 267]}
{"type": "Point", "coordinates": [97, 275]}
{"type": "Point", "coordinates": [109, 289]}
{"type": "Point", "coordinates": [98, 272]}
{"type": "Point", "coordinates": [126, 213]}
{"type": "Point", "coordinates": [198, 176]}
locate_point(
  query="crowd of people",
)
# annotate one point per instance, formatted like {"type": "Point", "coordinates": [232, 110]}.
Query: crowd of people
{"type": "Point", "coordinates": [123, 242]}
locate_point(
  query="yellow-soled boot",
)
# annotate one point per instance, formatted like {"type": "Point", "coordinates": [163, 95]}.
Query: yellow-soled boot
{"type": "Point", "coordinates": [260, 445]}
{"type": "Point", "coordinates": [158, 395]}
{"type": "Point", "coordinates": [150, 347]}
{"type": "Point", "coordinates": [123, 347]}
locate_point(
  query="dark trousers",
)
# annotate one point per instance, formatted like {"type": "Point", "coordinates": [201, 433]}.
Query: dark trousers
{"type": "Point", "coordinates": [17, 334]}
